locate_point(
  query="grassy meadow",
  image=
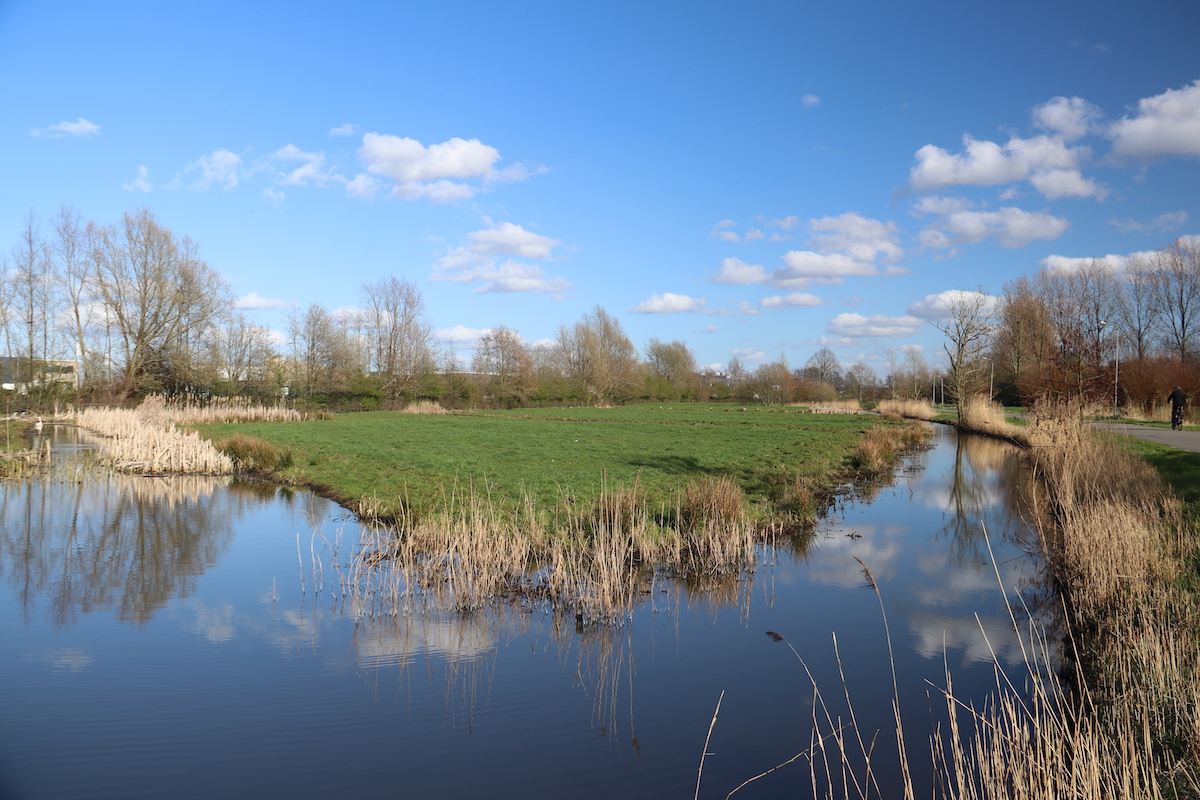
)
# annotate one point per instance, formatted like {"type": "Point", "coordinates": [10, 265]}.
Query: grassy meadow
{"type": "Point", "coordinates": [412, 463]}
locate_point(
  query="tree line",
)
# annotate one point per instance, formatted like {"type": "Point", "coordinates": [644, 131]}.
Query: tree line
{"type": "Point", "coordinates": [107, 312]}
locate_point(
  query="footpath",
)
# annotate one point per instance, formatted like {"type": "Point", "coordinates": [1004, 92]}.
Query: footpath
{"type": "Point", "coordinates": [1182, 440]}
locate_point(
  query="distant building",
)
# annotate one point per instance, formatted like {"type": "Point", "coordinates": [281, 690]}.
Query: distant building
{"type": "Point", "coordinates": [14, 375]}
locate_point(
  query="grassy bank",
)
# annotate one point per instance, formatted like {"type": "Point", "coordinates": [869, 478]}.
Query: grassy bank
{"type": "Point", "coordinates": [397, 465]}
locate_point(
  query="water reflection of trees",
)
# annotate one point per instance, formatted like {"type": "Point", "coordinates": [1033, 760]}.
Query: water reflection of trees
{"type": "Point", "coordinates": [987, 496]}
{"type": "Point", "coordinates": [114, 543]}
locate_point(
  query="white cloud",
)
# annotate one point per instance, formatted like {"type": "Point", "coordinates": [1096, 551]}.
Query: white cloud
{"type": "Point", "coordinates": [787, 223]}
{"type": "Point", "coordinates": [79, 128]}
{"type": "Point", "coordinates": [1056, 183]}
{"type": "Point", "coordinates": [793, 300]}
{"type": "Point", "coordinates": [711, 327]}
{"type": "Point", "coordinates": [750, 356]}
{"type": "Point", "coordinates": [1011, 227]}
{"type": "Point", "coordinates": [461, 334]}
{"type": "Point", "coordinates": [309, 169]}
{"type": "Point", "coordinates": [255, 301]}
{"type": "Point", "coordinates": [805, 266]}
{"type": "Point", "coordinates": [1070, 117]}
{"type": "Point", "coordinates": [479, 261]}
{"type": "Point", "coordinates": [345, 129]}
{"type": "Point", "coordinates": [1166, 124]}
{"type": "Point", "coordinates": [1160, 224]}
{"type": "Point", "coordinates": [940, 204]}
{"type": "Point", "coordinates": [937, 306]}
{"type": "Point", "coordinates": [860, 238]}
{"type": "Point", "coordinates": [810, 100]}
{"type": "Point", "coordinates": [362, 186]}
{"type": "Point", "coordinates": [218, 167]}
{"type": "Point", "coordinates": [141, 183]}
{"type": "Point", "coordinates": [273, 197]}
{"type": "Point", "coordinates": [1057, 263]}
{"type": "Point", "coordinates": [877, 325]}
{"type": "Point", "coordinates": [738, 272]}
{"type": "Point", "coordinates": [668, 303]}
{"type": "Point", "coordinates": [438, 172]}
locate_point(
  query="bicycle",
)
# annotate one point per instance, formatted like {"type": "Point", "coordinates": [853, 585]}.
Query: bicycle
{"type": "Point", "coordinates": [1177, 418]}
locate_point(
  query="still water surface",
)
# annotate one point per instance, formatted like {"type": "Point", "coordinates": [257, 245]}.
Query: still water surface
{"type": "Point", "coordinates": [186, 638]}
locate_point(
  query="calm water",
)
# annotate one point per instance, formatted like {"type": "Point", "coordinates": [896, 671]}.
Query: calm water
{"type": "Point", "coordinates": [179, 638]}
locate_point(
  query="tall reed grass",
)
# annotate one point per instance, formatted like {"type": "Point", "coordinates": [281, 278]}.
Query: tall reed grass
{"type": "Point", "coordinates": [906, 409]}
{"type": "Point", "coordinates": [145, 440]}
{"type": "Point", "coordinates": [980, 414]}
{"type": "Point", "coordinates": [188, 410]}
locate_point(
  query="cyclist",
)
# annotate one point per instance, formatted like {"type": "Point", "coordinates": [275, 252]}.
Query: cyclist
{"type": "Point", "coordinates": [1178, 401]}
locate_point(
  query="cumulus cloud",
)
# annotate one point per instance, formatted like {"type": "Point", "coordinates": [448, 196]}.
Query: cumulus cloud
{"type": "Point", "coordinates": [1010, 226]}
{"type": "Point", "coordinates": [80, 128]}
{"type": "Point", "coordinates": [669, 303]}
{"type": "Point", "coordinates": [805, 266]}
{"type": "Point", "coordinates": [453, 170]}
{"type": "Point", "coordinates": [461, 334]}
{"type": "Point", "coordinates": [1070, 117]}
{"type": "Point", "coordinates": [1049, 162]}
{"type": "Point", "coordinates": [858, 326]}
{"type": "Point", "coordinates": [736, 271]}
{"type": "Point", "coordinates": [487, 258]}
{"type": "Point", "coordinates": [219, 167]}
{"type": "Point", "coordinates": [345, 129]}
{"type": "Point", "coordinates": [791, 300]}
{"type": "Point", "coordinates": [1166, 124]}
{"type": "Point", "coordinates": [858, 237]}
{"type": "Point", "coordinates": [1118, 263]}
{"type": "Point", "coordinates": [1160, 224]}
{"type": "Point", "coordinates": [254, 301]}
{"type": "Point", "coordinates": [309, 169]}
{"type": "Point", "coordinates": [141, 183]}
{"type": "Point", "coordinates": [937, 306]}
{"type": "Point", "coordinates": [811, 100]}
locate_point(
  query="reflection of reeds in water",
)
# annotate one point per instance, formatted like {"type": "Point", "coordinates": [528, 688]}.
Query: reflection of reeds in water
{"type": "Point", "coordinates": [597, 559]}
{"type": "Point", "coordinates": [145, 441]}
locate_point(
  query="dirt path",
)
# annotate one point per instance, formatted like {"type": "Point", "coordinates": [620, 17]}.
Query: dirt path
{"type": "Point", "coordinates": [1183, 440]}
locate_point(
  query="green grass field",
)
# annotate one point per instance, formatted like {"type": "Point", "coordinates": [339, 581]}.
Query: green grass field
{"type": "Point", "coordinates": [552, 453]}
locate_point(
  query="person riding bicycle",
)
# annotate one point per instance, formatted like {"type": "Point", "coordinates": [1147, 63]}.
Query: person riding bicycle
{"type": "Point", "coordinates": [1178, 401]}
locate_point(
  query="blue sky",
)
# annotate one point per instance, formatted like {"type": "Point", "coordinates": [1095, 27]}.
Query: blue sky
{"type": "Point", "coordinates": [756, 179]}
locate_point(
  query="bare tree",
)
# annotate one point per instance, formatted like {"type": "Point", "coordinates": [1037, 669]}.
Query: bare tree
{"type": "Point", "coordinates": [968, 328]}
{"type": "Point", "coordinates": [598, 356]}
{"type": "Point", "coordinates": [674, 363]}
{"type": "Point", "coordinates": [1137, 306]}
{"type": "Point", "coordinates": [155, 293]}
{"type": "Point", "coordinates": [322, 355]}
{"type": "Point", "coordinates": [243, 353]}
{"type": "Point", "coordinates": [1177, 287]}
{"type": "Point", "coordinates": [860, 379]}
{"type": "Point", "coordinates": [503, 358]}
{"type": "Point", "coordinates": [72, 263]}
{"type": "Point", "coordinates": [402, 339]}
{"type": "Point", "coordinates": [33, 301]}
{"type": "Point", "coordinates": [824, 367]}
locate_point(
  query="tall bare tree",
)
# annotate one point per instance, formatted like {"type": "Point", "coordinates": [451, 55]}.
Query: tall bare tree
{"type": "Point", "coordinates": [674, 363]}
{"type": "Point", "coordinates": [968, 327]}
{"type": "Point", "coordinates": [72, 264]}
{"type": "Point", "coordinates": [1177, 286]}
{"type": "Point", "coordinates": [598, 356]}
{"type": "Point", "coordinates": [401, 337]}
{"type": "Point", "coordinates": [505, 366]}
{"type": "Point", "coordinates": [155, 292]}
{"type": "Point", "coordinates": [33, 296]}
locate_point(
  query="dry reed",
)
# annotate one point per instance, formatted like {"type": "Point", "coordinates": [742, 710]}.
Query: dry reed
{"type": "Point", "coordinates": [980, 414]}
{"type": "Point", "coordinates": [194, 411]}
{"type": "Point", "coordinates": [424, 407]}
{"type": "Point", "coordinates": [146, 441]}
{"type": "Point", "coordinates": [596, 559]}
{"type": "Point", "coordinates": [906, 409]}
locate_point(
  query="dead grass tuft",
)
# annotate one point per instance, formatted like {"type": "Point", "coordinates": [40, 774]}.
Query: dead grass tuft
{"type": "Point", "coordinates": [424, 407]}
{"type": "Point", "coordinates": [906, 409]}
